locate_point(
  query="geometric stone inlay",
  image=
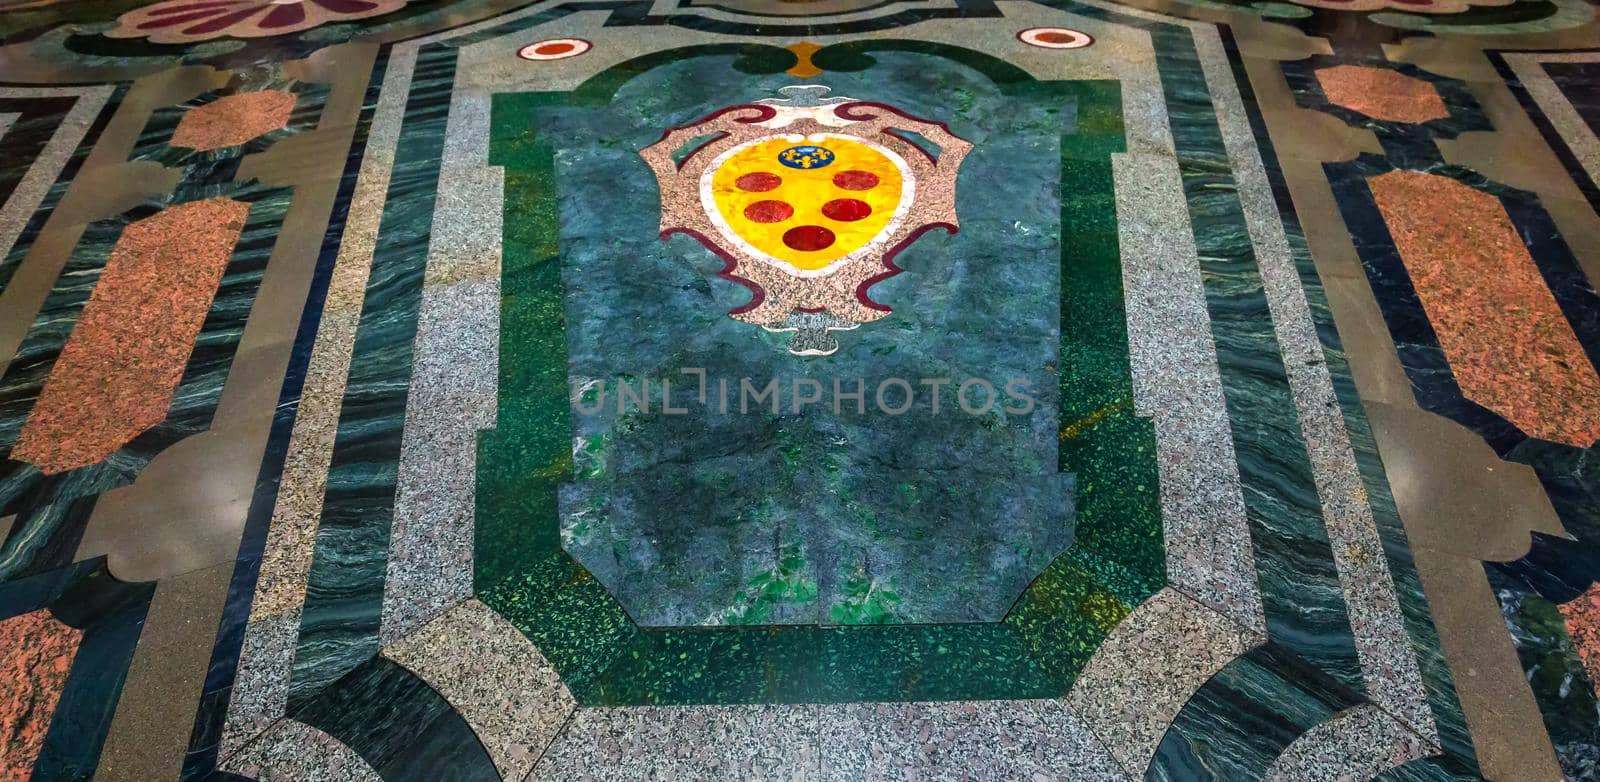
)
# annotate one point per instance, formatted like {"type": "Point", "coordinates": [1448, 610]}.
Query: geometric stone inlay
{"type": "Point", "coordinates": [116, 376]}
{"type": "Point", "coordinates": [1508, 343]}
{"type": "Point", "coordinates": [1381, 93]}
{"type": "Point", "coordinates": [36, 652]}
{"type": "Point", "coordinates": [233, 119]}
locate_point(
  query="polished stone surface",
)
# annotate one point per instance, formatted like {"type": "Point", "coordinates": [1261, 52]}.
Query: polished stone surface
{"type": "Point", "coordinates": [799, 389]}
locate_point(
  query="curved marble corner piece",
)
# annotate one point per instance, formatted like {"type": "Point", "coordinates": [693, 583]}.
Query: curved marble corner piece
{"type": "Point", "coordinates": [1021, 740]}
{"type": "Point", "coordinates": [1148, 668]}
{"type": "Point", "coordinates": [1357, 743]}
{"type": "Point", "coordinates": [296, 752]}
{"type": "Point", "coordinates": [489, 671]}
{"type": "Point", "coordinates": [767, 742]}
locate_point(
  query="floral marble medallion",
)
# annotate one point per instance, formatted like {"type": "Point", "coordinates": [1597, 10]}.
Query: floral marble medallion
{"type": "Point", "coordinates": [188, 21]}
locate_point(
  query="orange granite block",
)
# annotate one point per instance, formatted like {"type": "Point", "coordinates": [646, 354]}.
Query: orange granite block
{"type": "Point", "coordinates": [36, 652]}
{"type": "Point", "coordinates": [1381, 93]}
{"type": "Point", "coordinates": [233, 119]}
{"type": "Point", "coordinates": [116, 376]}
{"type": "Point", "coordinates": [1508, 343]}
{"type": "Point", "coordinates": [1582, 618]}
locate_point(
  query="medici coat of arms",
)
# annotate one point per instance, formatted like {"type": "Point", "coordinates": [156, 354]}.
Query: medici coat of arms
{"type": "Point", "coordinates": [807, 199]}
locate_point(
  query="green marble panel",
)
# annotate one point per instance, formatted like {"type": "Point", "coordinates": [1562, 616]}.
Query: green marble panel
{"type": "Point", "coordinates": [1042, 640]}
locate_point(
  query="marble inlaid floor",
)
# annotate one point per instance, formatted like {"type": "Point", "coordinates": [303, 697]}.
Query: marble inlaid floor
{"type": "Point", "coordinates": [799, 390]}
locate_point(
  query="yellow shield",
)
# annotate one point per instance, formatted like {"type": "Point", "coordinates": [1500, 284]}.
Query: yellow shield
{"type": "Point", "coordinates": [807, 203]}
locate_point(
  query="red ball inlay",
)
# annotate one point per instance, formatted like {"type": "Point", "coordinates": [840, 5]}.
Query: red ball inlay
{"type": "Point", "coordinates": [808, 238]}
{"type": "Point", "coordinates": [846, 209]}
{"type": "Point", "coordinates": [855, 180]}
{"type": "Point", "coordinates": [551, 49]}
{"type": "Point", "coordinates": [768, 212]}
{"type": "Point", "coordinates": [1055, 37]}
{"type": "Point", "coordinates": [758, 182]}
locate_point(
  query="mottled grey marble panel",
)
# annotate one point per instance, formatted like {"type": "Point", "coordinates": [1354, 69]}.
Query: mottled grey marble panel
{"type": "Point", "coordinates": [981, 740]}
{"type": "Point", "coordinates": [734, 743]}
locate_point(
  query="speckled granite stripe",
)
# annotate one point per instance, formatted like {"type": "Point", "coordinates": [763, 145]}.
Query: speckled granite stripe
{"type": "Point", "coordinates": [1299, 583]}
{"type": "Point", "coordinates": [733, 743]}
{"type": "Point", "coordinates": [1382, 644]}
{"type": "Point", "coordinates": [344, 589]}
{"type": "Point", "coordinates": [491, 673]}
{"type": "Point", "coordinates": [965, 740]}
{"type": "Point", "coordinates": [260, 690]}
{"type": "Point", "coordinates": [261, 682]}
{"type": "Point", "coordinates": [1358, 743]}
{"type": "Point", "coordinates": [1149, 667]}
{"type": "Point", "coordinates": [454, 382]}
{"type": "Point", "coordinates": [36, 184]}
{"type": "Point", "coordinates": [1177, 383]}
{"type": "Point", "coordinates": [296, 752]}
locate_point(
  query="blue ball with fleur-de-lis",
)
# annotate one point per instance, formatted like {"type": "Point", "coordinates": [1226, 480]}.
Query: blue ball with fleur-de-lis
{"type": "Point", "coordinates": [805, 156]}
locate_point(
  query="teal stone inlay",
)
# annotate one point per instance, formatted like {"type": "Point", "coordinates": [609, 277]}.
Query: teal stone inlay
{"type": "Point", "coordinates": [829, 512]}
{"type": "Point", "coordinates": [529, 464]}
